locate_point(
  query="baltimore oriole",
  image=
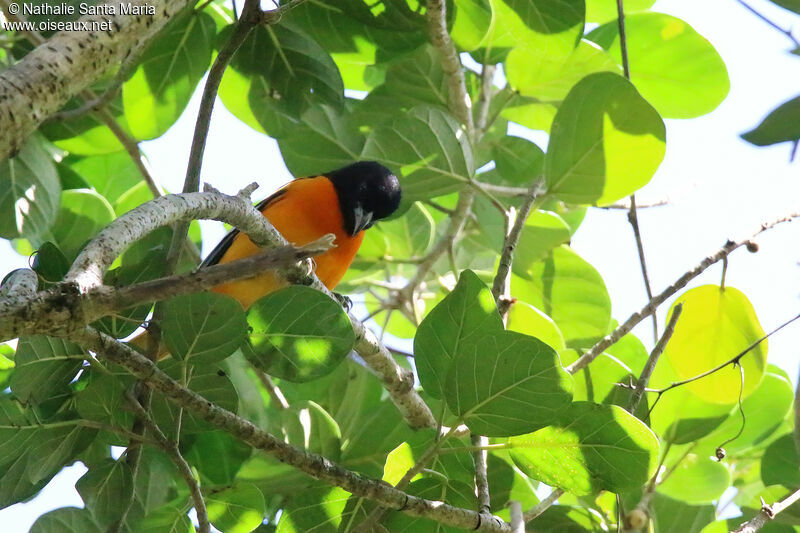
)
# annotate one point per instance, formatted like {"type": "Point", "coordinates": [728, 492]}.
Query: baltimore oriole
{"type": "Point", "coordinates": [344, 202]}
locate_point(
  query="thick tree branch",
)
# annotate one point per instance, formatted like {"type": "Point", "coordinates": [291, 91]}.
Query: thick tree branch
{"type": "Point", "coordinates": [312, 464]}
{"type": "Point", "coordinates": [88, 269]}
{"type": "Point", "coordinates": [660, 298]}
{"type": "Point", "coordinates": [60, 68]}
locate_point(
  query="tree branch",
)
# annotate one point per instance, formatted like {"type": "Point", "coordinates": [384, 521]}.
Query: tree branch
{"type": "Point", "coordinates": [174, 453]}
{"type": "Point", "coordinates": [451, 64]}
{"type": "Point", "coordinates": [637, 235]}
{"type": "Point", "coordinates": [786, 32]}
{"type": "Point", "coordinates": [543, 505]}
{"type": "Point", "coordinates": [660, 298]}
{"type": "Point", "coordinates": [767, 513]}
{"type": "Point", "coordinates": [312, 464]}
{"type": "Point", "coordinates": [501, 285]}
{"type": "Point", "coordinates": [88, 269]}
{"type": "Point", "coordinates": [517, 519]}
{"type": "Point", "coordinates": [68, 62]}
{"type": "Point", "coordinates": [650, 365]}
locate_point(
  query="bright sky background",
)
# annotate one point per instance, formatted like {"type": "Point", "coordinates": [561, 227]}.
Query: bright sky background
{"type": "Point", "coordinates": [718, 186]}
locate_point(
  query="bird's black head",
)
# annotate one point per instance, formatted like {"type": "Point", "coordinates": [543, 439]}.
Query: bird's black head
{"type": "Point", "coordinates": [368, 192]}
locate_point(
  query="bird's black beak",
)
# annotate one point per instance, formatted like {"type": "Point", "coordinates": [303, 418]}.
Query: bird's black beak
{"type": "Point", "coordinates": [361, 220]}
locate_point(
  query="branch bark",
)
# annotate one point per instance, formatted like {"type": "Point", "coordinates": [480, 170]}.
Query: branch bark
{"type": "Point", "coordinates": [312, 464]}
{"type": "Point", "coordinates": [660, 298]}
{"type": "Point", "coordinates": [60, 68]}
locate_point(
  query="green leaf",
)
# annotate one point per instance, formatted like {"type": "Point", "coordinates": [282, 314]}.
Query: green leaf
{"type": "Point", "coordinates": [603, 11]}
{"type": "Point", "coordinates": [675, 68]}
{"type": "Point", "coordinates": [782, 124]}
{"type": "Point", "coordinates": [169, 70]}
{"type": "Point", "coordinates": [157, 480]}
{"type": "Point", "coordinates": [696, 479]}
{"type": "Point", "coordinates": [82, 215]}
{"type": "Point", "coordinates": [542, 24]}
{"type": "Point", "coordinates": [279, 70]}
{"type": "Point", "coordinates": [103, 399]}
{"type": "Point", "coordinates": [6, 364]}
{"type": "Point", "coordinates": [592, 447]}
{"type": "Point", "coordinates": [455, 493]}
{"type": "Point", "coordinates": [322, 140]}
{"type": "Point", "coordinates": [791, 5]}
{"type": "Point", "coordinates": [543, 231]}
{"type": "Point", "coordinates": [207, 380]}
{"type": "Point", "coordinates": [569, 519]}
{"type": "Point", "coordinates": [167, 519]}
{"type": "Point", "coordinates": [571, 292]}
{"type": "Point", "coordinates": [104, 487]}
{"type": "Point", "coordinates": [780, 464]}
{"type": "Point", "coordinates": [410, 235]}
{"type": "Point", "coordinates": [29, 192]}
{"type": "Point", "coordinates": [111, 175]}
{"type": "Point", "coordinates": [547, 77]}
{"type": "Point", "coordinates": [467, 313]}
{"type": "Point", "coordinates": [525, 318]}
{"type": "Point", "coordinates": [298, 333]}
{"type": "Point", "coordinates": [472, 23]}
{"type": "Point", "coordinates": [426, 148]}
{"type": "Point", "coordinates": [204, 327]}
{"type": "Point", "coordinates": [673, 516]}
{"type": "Point", "coordinates": [764, 410]}
{"type": "Point", "coordinates": [307, 425]}
{"type": "Point", "coordinates": [518, 161]}
{"type": "Point", "coordinates": [50, 263]}
{"type": "Point", "coordinates": [716, 324]}
{"type": "Point", "coordinates": [31, 453]}
{"type": "Point", "coordinates": [606, 142]}
{"type": "Point", "coordinates": [217, 455]}
{"type": "Point", "coordinates": [506, 384]}
{"type": "Point", "coordinates": [321, 509]}
{"type": "Point", "coordinates": [355, 47]}
{"type": "Point", "coordinates": [239, 509]}
{"type": "Point", "coordinates": [65, 519]}
{"type": "Point", "coordinates": [598, 382]}
{"type": "Point", "coordinates": [44, 368]}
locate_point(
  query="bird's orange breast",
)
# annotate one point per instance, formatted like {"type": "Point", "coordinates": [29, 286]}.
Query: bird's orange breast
{"type": "Point", "coordinates": [307, 210]}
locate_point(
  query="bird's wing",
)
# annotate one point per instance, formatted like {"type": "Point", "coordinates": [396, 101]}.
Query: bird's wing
{"type": "Point", "coordinates": [223, 245]}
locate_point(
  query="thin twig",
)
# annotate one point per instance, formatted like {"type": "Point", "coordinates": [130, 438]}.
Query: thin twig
{"type": "Point", "coordinates": [175, 454]}
{"type": "Point", "coordinates": [627, 205]}
{"type": "Point", "coordinates": [660, 298]}
{"type": "Point", "coordinates": [623, 40]}
{"type": "Point", "coordinates": [278, 399]}
{"type": "Point", "coordinates": [767, 513]}
{"type": "Point", "coordinates": [501, 285]}
{"type": "Point", "coordinates": [634, 221]}
{"type": "Point", "coordinates": [132, 147]}
{"type": "Point", "coordinates": [484, 98]}
{"type": "Point", "coordinates": [732, 361]}
{"type": "Point", "coordinates": [786, 32]}
{"type": "Point", "coordinates": [650, 365]}
{"type": "Point", "coordinates": [543, 505]}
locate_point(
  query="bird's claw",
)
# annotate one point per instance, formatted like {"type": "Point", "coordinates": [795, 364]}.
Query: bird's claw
{"type": "Point", "coordinates": [344, 301]}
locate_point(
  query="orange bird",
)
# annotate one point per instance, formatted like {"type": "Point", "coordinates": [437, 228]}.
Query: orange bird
{"type": "Point", "coordinates": [344, 202]}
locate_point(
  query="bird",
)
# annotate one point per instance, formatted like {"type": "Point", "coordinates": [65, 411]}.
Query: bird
{"type": "Point", "coordinates": [345, 202]}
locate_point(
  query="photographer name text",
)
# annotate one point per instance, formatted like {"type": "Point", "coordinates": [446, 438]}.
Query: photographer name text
{"type": "Point", "coordinates": [123, 8]}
